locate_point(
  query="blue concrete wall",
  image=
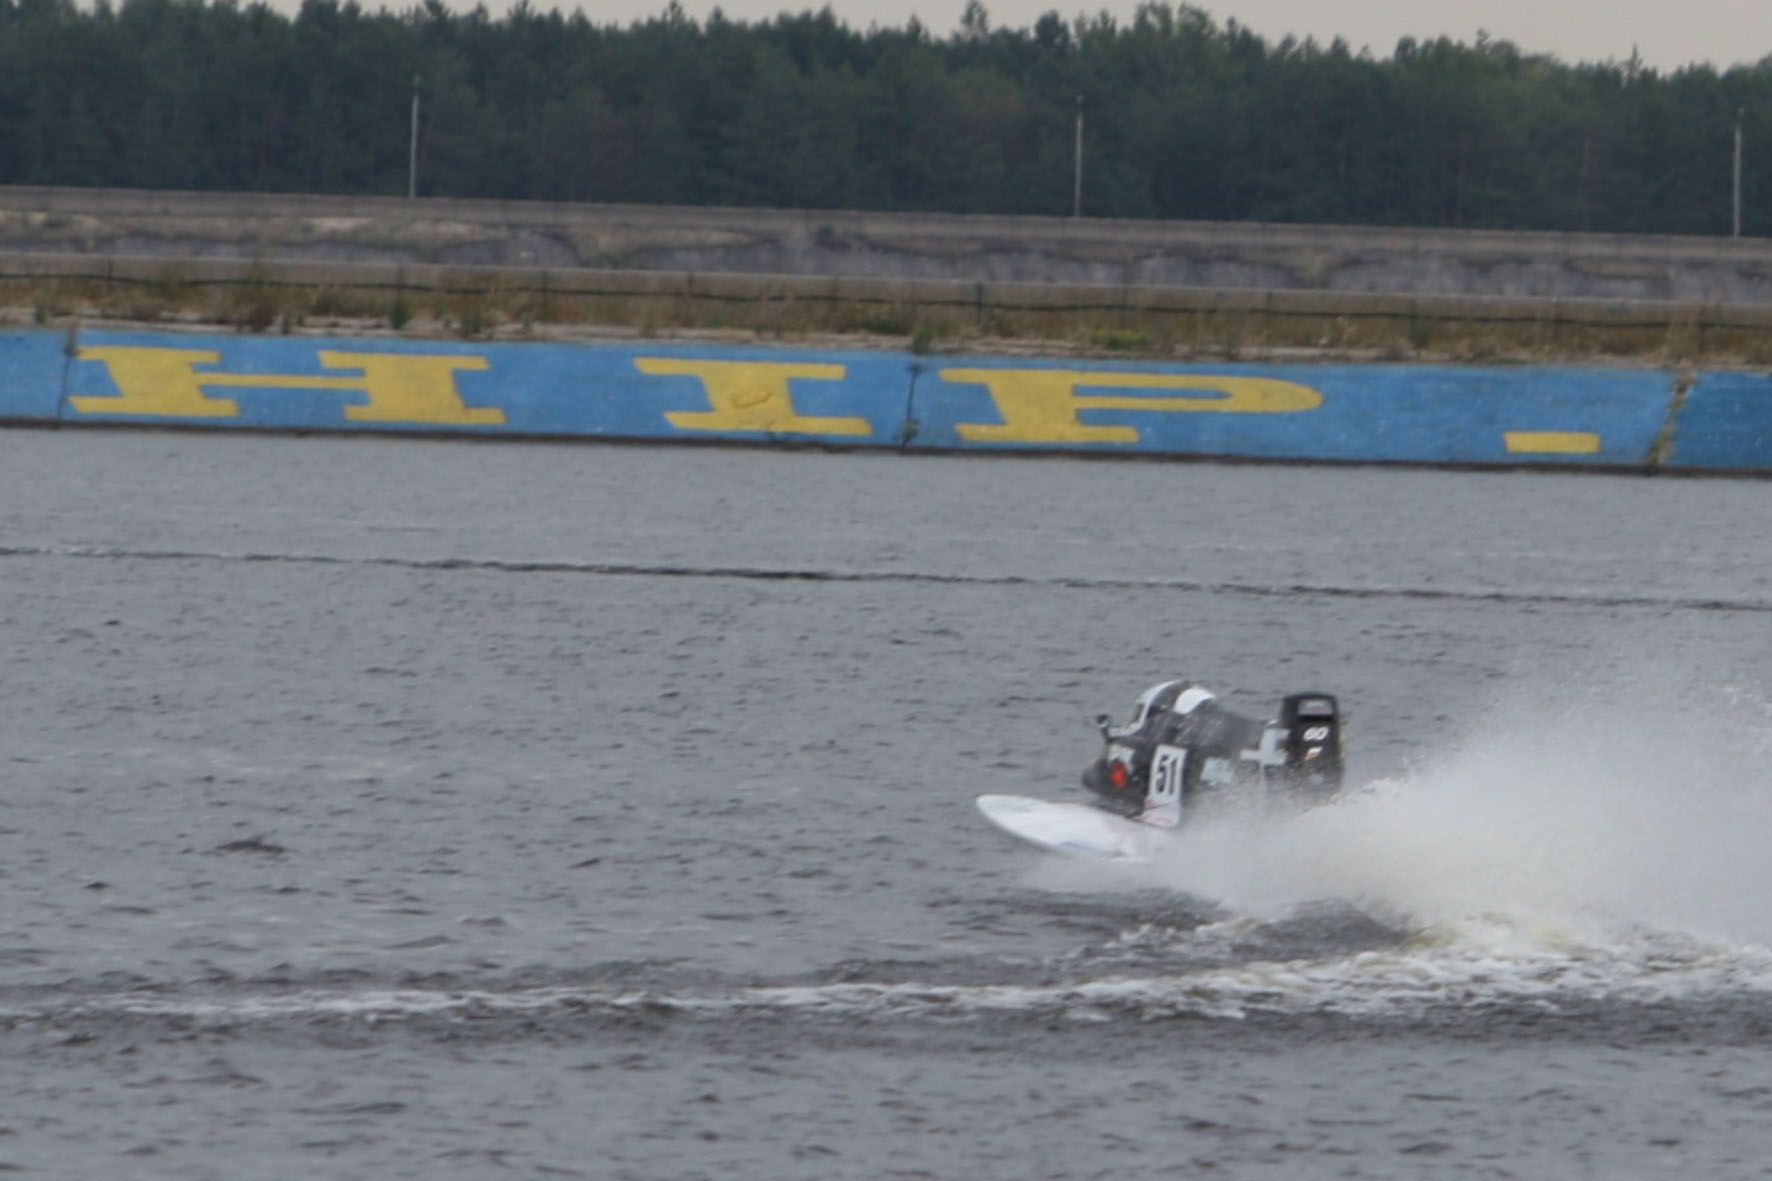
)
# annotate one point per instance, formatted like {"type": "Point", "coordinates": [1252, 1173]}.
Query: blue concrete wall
{"type": "Point", "coordinates": [856, 398]}
{"type": "Point", "coordinates": [599, 391]}
{"type": "Point", "coordinates": [31, 374]}
{"type": "Point", "coordinates": [1725, 425]}
{"type": "Point", "coordinates": [1380, 413]}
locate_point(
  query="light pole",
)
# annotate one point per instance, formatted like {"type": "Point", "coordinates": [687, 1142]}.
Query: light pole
{"type": "Point", "coordinates": [1077, 165]}
{"type": "Point", "coordinates": [412, 146]}
{"type": "Point", "coordinates": [1738, 114]}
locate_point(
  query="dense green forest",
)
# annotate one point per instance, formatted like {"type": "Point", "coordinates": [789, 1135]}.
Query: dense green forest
{"type": "Point", "coordinates": [1184, 117]}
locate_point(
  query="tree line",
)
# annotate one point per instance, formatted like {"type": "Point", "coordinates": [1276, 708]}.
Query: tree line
{"type": "Point", "coordinates": [1183, 117]}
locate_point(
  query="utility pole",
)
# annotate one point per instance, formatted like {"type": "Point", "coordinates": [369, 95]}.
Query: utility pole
{"type": "Point", "coordinates": [1077, 166]}
{"type": "Point", "coordinates": [412, 146]}
{"type": "Point", "coordinates": [1738, 114]}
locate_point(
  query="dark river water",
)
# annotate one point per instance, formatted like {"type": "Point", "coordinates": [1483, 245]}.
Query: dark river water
{"type": "Point", "coordinates": [393, 809]}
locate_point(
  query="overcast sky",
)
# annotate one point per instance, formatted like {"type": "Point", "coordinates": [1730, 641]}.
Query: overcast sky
{"type": "Point", "coordinates": [1666, 34]}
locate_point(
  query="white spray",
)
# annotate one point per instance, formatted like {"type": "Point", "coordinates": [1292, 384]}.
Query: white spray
{"type": "Point", "coordinates": [1643, 813]}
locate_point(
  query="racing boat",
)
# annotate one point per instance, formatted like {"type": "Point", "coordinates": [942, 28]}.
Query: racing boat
{"type": "Point", "coordinates": [1180, 748]}
{"type": "Point", "coordinates": [1182, 745]}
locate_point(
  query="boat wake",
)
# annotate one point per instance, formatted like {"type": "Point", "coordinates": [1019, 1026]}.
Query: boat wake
{"type": "Point", "coordinates": [1554, 861]}
{"type": "Point", "coordinates": [1590, 852]}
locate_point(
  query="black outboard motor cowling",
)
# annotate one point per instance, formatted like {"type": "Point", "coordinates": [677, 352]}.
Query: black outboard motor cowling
{"type": "Point", "coordinates": [1310, 725]}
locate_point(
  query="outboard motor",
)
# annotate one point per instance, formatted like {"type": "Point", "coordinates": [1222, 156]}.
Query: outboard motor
{"type": "Point", "coordinates": [1309, 745]}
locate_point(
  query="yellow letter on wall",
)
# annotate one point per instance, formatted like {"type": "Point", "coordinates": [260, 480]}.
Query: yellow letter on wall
{"type": "Point", "coordinates": [754, 396]}
{"type": "Point", "coordinates": [401, 387]}
{"type": "Point", "coordinates": [407, 388]}
{"type": "Point", "coordinates": [1041, 405]}
{"type": "Point", "coordinates": [161, 382]}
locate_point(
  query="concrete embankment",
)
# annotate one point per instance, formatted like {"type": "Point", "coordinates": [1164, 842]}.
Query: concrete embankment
{"type": "Point", "coordinates": [1644, 419]}
{"type": "Point", "coordinates": [1160, 322]}
{"type": "Point", "coordinates": [1159, 289]}
{"type": "Point", "coordinates": [1241, 256]}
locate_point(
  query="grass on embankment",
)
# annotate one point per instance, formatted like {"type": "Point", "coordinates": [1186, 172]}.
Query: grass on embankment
{"type": "Point", "coordinates": [920, 316]}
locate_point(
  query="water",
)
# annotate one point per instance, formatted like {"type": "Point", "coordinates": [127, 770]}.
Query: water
{"type": "Point", "coordinates": [425, 809]}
